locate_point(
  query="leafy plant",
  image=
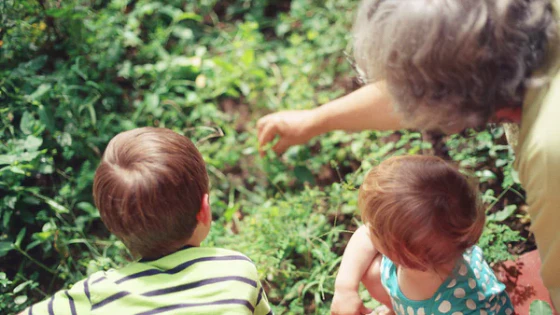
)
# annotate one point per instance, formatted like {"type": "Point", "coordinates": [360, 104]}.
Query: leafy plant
{"type": "Point", "coordinates": [75, 73]}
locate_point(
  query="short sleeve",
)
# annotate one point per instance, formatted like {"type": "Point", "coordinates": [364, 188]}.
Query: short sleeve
{"type": "Point", "coordinates": [73, 301]}
{"type": "Point", "coordinates": [262, 307]}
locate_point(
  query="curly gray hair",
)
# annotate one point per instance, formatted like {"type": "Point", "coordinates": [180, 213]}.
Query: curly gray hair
{"type": "Point", "coordinates": [450, 64]}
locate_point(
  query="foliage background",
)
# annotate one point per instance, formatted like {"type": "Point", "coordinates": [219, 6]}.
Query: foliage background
{"type": "Point", "coordinates": [74, 73]}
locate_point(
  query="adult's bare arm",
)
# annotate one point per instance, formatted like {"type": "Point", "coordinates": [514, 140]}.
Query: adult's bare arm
{"type": "Point", "coordinates": [368, 108]}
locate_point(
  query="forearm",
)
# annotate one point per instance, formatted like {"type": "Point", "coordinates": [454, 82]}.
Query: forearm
{"type": "Point", "coordinates": [368, 108]}
{"type": "Point", "coordinates": [357, 258]}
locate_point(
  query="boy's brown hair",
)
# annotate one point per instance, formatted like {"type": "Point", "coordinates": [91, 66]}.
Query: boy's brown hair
{"type": "Point", "coordinates": [420, 211]}
{"type": "Point", "coordinates": [149, 188]}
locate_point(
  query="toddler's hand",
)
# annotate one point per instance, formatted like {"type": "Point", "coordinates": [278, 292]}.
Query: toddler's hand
{"type": "Point", "coordinates": [347, 302]}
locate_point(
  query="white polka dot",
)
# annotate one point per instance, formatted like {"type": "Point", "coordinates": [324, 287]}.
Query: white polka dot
{"type": "Point", "coordinates": [509, 311]}
{"type": "Point", "coordinates": [484, 286]}
{"type": "Point", "coordinates": [452, 283]}
{"type": "Point", "coordinates": [410, 311]}
{"type": "Point", "coordinates": [438, 297]}
{"type": "Point", "coordinates": [477, 274]}
{"type": "Point", "coordinates": [444, 307]}
{"type": "Point", "coordinates": [421, 311]}
{"type": "Point", "coordinates": [492, 297]}
{"type": "Point", "coordinates": [402, 309]}
{"type": "Point", "coordinates": [463, 270]}
{"type": "Point", "coordinates": [459, 293]}
{"type": "Point", "coordinates": [457, 313]}
{"type": "Point", "coordinates": [498, 309]}
{"type": "Point", "coordinates": [472, 283]}
{"type": "Point", "coordinates": [483, 312]}
{"type": "Point", "coordinates": [504, 300]}
{"type": "Point", "coordinates": [480, 296]}
{"type": "Point", "coordinates": [471, 304]}
{"type": "Point", "coordinates": [478, 264]}
{"type": "Point", "coordinates": [486, 278]}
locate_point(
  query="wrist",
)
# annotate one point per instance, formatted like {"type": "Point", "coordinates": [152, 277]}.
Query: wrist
{"type": "Point", "coordinates": [346, 286]}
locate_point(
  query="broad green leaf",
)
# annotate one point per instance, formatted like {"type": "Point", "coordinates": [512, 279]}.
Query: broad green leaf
{"type": "Point", "coordinates": [7, 159]}
{"type": "Point", "coordinates": [32, 143]}
{"type": "Point", "coordinates": [539, 307]}
{"type": "Point", "coordinates": [5, 247]}
{"type": "Point", "coordinates": [20, 299]}
{"type": "Point", "coordinates": [183, 32]}
{"type": "Point", "coordinates": [502, 214]}
{"type": "Point", "coordinates": [87, 207]}
{"type": "Point", "coordinates": [152, 101]}
{"type": "Point", "coordinates": [26, 123]}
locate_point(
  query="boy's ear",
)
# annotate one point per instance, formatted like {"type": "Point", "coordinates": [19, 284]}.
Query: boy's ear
{"type": "Point", "coordinates": [204, 215]}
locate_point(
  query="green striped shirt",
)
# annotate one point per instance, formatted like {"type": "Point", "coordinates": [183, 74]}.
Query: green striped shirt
{"type": "Point", "coordinates": [193, 280]}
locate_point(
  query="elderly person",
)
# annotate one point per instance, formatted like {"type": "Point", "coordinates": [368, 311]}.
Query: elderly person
{"type": "Point", "coordinates": [448, 65]}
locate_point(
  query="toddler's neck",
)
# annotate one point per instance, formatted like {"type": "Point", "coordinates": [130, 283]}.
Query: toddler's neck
{"type": "Point", "coordinates": [422, 285]}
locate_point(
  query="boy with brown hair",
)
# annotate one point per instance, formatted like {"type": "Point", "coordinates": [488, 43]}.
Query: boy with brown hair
{"type": "Point", "coordinates": [151, 189]}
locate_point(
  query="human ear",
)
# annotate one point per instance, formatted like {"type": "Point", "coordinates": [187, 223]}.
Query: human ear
{"type": "Point", "coordinates": [204, 214]}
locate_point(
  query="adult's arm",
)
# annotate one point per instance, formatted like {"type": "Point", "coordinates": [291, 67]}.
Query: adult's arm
{"type": "Point", "coordinates": [368, 108]}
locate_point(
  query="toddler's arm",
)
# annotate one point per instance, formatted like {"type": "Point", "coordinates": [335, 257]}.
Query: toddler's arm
{"type": "Point", "coordinates": [358, 257]}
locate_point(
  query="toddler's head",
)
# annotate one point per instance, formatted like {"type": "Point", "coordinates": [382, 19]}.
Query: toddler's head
{"type": "Point", "coordinates": [151, 189]}
{"type": "Point", "coordinates": [420, 211]}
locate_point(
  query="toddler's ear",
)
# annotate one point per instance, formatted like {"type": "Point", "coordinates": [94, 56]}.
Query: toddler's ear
{"type": "Point", "coordinates": [204, 215]}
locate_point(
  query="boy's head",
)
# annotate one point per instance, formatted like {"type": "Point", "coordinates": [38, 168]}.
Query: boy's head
{"type": "Point", "coordinates": [420, 211]}
{"type": "Point", "coordinates": [452, 64]}
{"type": "Point", "coordinates": [151, 189]}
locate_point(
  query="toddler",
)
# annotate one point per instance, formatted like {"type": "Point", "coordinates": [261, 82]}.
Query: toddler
{"type": "Point", "coordinates": [416, 251]}
{"type": "Point", "coordinates": [151, 189]}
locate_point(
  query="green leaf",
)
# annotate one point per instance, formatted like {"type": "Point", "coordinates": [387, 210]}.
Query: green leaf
{"type": "Point", "coordinates": [502, 214]}
{"type": "Point", "coordinates": [20, 299]}
{"type": "Point", "coordinates": [539, 307]}
{"type": "Point", "coordinates": [57, 207]}
{"type": "Point", "coordinates": [152, 101]}
{"type": "Point", "coordinates": [32, 143]}
{"type": "Point", "coordinates": [46, 118]}
{"type": "Point", "coordinates": [41, 90]}
{"type": "Point", "coordinates": [21, 286]}
{"type": "Point", "coordinates": [26, 123]}
{"type": "Point", "coordinates": [183, 32]}
{"type": "Point", "coordinates": [303, 174]}
{"type": "Point", "coordinates": [188, 16]}
{"type": "Point", "coordinates": [5, 247]}
{"type": "Point", "coordinates": [20, 237]}
{"type": "Point", "coordinates": [7, 159]}
{"type": "Point", "coordinates": [87, 207]}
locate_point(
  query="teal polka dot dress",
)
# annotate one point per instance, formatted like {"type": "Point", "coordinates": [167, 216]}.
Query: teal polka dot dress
{"type": "Point", "coordinates": [472, 288]}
